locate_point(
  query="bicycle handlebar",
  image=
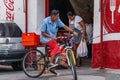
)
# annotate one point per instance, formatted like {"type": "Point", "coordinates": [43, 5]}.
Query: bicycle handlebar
{"type": "Point", "coordinates": [65, 37]}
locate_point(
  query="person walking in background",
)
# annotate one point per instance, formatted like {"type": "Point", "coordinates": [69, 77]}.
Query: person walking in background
{"type": "Point", "coordinates": [89, 31]}
{"type": "Point", "coordinates": [48, 34]}
{"type": "Point", "coordinates": [77, 24]}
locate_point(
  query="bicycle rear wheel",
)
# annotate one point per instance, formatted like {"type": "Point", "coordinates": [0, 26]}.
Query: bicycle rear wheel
{"type": "Point", "coordinates": [72, 65]}
{"type": "Point", "coordinates": [34, 63]}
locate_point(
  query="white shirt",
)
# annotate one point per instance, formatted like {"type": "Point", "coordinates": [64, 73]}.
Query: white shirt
{"type": "Point", "coordinates": [89, 31]}
{"type": "Point", "coordinates": [75, 22]}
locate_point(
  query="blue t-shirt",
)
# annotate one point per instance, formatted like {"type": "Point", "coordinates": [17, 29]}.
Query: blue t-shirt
{"type": "Point", "coordinates": [50, 28]}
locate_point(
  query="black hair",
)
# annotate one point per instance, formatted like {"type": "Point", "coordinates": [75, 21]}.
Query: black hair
{"type": "Point", "coordinates": [54, 12]}
{"type": "Point", "coordinates": [70, 13]}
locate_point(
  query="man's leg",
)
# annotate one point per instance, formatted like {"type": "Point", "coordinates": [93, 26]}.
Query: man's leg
{"type": "Point", "coordinates": [52, 58]}
{"type": "Point", "coordinates": [54, 48]}
{"type": "Point", "coordinates": [54, 51]}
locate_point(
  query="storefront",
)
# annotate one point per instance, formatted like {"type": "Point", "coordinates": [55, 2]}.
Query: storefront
{"type": "Point", "coordinates": [28, 14]}
{"type": "Point", "coordinates": [106, 40]}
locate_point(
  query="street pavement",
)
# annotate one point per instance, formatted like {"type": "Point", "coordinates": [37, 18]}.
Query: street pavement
{"type": "Point", "coordinates": [84, 73]}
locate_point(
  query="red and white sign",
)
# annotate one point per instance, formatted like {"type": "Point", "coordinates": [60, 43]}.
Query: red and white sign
{"type": "Point", "coordinates": [106, 51]}
{"type": "Point", "coordinates": [14, 10]}
{"type": "Point", "coordinates": [9, 5]}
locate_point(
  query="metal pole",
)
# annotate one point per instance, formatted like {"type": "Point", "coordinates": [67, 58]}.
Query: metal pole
{"type": "Point", "coordinates": [26, 16]}
{"type": "Point", "coordinates": [47, 8]}
{"type": "Point", "coordinates": [101, 35]}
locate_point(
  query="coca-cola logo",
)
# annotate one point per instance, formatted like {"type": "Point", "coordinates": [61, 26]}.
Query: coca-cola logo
{"type": "Point", "coordinates": [9, 4]}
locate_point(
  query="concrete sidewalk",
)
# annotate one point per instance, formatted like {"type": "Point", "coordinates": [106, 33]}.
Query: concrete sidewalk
{"type": "Point", "coordinates": [80, 77]}
{"type": "Point", "coordinates": [87, 73]}
{"type": "Point", "coordinates": [84, 73]}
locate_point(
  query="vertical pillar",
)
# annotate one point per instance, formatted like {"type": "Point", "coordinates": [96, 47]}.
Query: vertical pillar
{"type": "Point", "coordinates": [26, 16]}
{"type": "Point", "coordinates": [101, 36]}
{"type": "Point", "coordinates": [47, 8]}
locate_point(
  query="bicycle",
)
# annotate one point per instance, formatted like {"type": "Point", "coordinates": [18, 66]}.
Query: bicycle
{"type": "Point", "coordinates": [35, 62]}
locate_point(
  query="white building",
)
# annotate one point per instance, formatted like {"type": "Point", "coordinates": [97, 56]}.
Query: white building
{"type": "Point", "coordinates": [15, 10]}
{"type": "Point", "coordinates": [106, 36]}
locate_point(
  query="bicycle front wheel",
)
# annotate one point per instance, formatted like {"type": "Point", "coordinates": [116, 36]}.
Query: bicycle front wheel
{"type": "Point", "coordinates": [33, 63]}
{"type": "Point", "coordinates": [71, 63]}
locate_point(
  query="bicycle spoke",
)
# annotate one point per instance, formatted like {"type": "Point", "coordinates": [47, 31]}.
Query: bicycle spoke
{"type": "Point", "coordinates": [72, 65]}
{"type": "Point", "coordinates": [34, 63]}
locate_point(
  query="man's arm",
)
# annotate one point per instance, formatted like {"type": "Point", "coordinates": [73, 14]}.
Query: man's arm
{"type": "Point", "coordinates": [70, 30]}
{"type": "Point", "coordinates": [47, 35]}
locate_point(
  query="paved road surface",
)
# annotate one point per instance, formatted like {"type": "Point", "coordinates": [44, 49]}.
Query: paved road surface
{"type": "Point", "coordinates": [84, 73]}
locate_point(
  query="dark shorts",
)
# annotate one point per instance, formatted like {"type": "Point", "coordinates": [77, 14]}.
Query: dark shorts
{"type": "Point", "coordinates": [77, 39]}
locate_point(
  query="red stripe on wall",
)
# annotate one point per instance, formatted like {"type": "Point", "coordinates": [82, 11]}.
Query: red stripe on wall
{"type": "Point", "coordinates": [96, 56]}
{"type": "Point", "coordinates": [110, 56]}
{"type": "Point", "coordinates": [46, 8]}
{"type": "Point", "coordinates": [26, 16]}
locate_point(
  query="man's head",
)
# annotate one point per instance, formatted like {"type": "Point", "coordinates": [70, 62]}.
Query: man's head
{"type": "Point", "coordinates": [71, 15]}
{"type": "Point", "coordinates": [54, 15]}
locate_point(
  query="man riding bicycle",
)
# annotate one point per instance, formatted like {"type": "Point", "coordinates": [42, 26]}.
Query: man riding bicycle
{"type": "Point", "coordinates": [48, 34]}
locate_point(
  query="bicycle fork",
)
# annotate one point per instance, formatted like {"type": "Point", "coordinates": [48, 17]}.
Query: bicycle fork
{"type": "Point", "coordinates": [72, 57]}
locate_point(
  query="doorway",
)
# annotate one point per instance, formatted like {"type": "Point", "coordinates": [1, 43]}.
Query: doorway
{"type": "Point", "coordinates": [63, 6]}
{"type": "Point", "coordinates": [66, 5]}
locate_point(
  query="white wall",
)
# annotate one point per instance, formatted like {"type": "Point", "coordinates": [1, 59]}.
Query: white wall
{"type": "Point", "coordinates": [2, 11]}
{"type": "Point", "coordinates": [96, 31]}
{"type": "Point", "coordinates": [40, 13]}
{"type": "Point", "coordinates": [36, 13]}
{"type": "Point", "coordinates": [19, 14]}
